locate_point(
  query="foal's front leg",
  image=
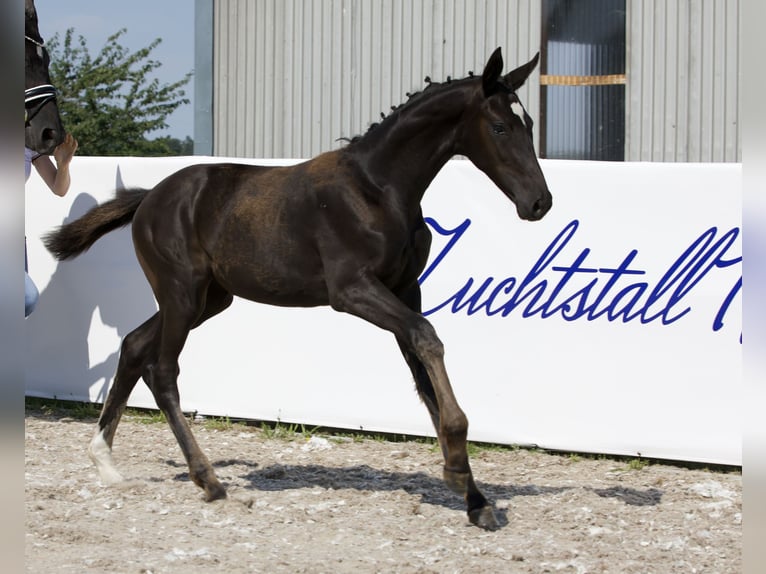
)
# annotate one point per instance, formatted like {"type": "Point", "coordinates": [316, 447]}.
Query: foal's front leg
{"type": "Point", "coordinates": [452, 428]}
{"type": "Point", "coordinates": [424, 352]}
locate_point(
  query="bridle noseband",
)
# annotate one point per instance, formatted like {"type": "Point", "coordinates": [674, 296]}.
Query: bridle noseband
{"type": "Point", "coordinates": [35, 98]}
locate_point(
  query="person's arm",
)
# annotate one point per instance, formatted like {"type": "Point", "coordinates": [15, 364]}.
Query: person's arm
{"type": "Point", "coordinates": [56, 177]}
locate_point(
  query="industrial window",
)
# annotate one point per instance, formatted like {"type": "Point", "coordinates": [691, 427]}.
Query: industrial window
{"type": "Point", "coordinates": [582, 83]}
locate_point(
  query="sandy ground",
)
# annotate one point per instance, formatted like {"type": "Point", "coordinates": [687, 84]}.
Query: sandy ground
{"type": "Point", "coordinates": [321, 503]}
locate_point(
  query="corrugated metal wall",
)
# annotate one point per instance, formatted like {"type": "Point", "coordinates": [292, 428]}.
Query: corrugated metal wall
{"type": "Point", "coordinates": [683, 81]}
{"type": "Point", "coordinates": [290, 77]}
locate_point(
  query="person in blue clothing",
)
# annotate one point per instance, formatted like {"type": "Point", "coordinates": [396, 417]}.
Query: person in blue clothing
{"type": "Point", "coordinates": [56, 177]}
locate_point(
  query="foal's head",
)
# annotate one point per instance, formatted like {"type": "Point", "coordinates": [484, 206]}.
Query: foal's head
{"type": "Point", "coordinates": [497, 138]}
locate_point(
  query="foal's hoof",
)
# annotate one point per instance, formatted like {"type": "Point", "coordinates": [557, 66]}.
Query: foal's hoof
{"type": "Point", "coordinates": [483, 517]}
{"type": "Point", "coordinates": [215, 491]}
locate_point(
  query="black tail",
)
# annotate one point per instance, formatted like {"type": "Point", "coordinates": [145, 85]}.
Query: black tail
{"type": "Point", "coordinates": [72, 239]}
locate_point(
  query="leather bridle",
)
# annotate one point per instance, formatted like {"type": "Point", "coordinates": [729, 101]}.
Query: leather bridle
{"type": "Point", "coordinates": [35, 98]}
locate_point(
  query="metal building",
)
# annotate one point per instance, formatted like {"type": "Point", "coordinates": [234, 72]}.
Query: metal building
{"type": "Point", "coordinates": [638, 80]}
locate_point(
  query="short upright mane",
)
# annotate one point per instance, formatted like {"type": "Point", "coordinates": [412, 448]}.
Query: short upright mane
{"type": "Point", "coordinates": [412, 97]}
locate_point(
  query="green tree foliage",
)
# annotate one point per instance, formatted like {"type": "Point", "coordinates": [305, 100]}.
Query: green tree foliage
{"type": "Point", "coordinates": [109, 102]}
{"type": "Point", "coordinates": [179, 147]}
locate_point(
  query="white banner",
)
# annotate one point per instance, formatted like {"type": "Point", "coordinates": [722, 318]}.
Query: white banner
{"type": "Point", "coordinates": [612, 326]}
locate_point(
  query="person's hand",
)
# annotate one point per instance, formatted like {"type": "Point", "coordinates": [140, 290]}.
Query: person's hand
{"type": "Point", "coordinates": [65, 150]}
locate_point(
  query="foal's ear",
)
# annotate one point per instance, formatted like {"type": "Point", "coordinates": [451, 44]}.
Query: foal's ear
{"type": "Point", "coordinates": [515, 79]}
{"type": "Point", "coordinates": [492, 72]}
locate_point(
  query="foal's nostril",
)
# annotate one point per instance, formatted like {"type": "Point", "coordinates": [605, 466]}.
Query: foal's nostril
{"type": "Point", "coordinates": [540, 207]}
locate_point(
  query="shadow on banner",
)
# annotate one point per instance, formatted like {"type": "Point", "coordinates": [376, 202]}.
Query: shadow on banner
{"type": "Point", "coordinates": [88, 294]}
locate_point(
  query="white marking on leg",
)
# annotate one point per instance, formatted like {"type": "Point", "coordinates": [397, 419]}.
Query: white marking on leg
{"type": "Point", "coordinates": [101, 455]}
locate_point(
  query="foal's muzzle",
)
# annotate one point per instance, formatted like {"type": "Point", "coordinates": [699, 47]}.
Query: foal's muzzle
{"type": "Point", "coordinates": [49, 135]}
{"type": "Point", "coordinates": [536, 209]}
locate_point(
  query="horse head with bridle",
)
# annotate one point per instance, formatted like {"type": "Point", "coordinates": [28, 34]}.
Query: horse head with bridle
{"type": "Point", "coordinates": [43, 130]}
{"type": "Point", "coordinates": [344, 229]}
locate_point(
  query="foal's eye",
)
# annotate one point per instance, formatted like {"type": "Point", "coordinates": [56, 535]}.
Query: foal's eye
{"type": "Point", "coordinates": [498, 129]}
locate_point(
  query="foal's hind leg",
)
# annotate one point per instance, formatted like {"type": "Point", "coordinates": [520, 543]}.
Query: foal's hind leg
{"type": "Point", "coordinates": [135, 353]}
{"type": "Point", "coordinates": [179, 315]}
{"type": "Point", "coordinates": [461, 482]}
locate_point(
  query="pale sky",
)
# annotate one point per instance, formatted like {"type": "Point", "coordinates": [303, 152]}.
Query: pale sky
{"type": "Point", "coordinates": [145, 20]}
